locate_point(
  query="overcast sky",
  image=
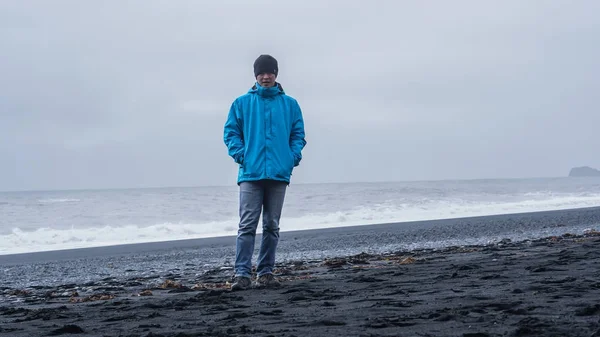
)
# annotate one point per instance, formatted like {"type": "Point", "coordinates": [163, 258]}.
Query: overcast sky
{"type": "Point", "coordinates": [104, 94]}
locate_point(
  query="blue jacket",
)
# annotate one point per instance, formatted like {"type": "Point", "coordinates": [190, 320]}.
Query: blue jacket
{"type": "Point", "coordinates": [264, 134]}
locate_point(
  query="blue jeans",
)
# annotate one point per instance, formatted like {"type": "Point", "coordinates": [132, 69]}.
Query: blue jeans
{"type": "Point", "coordinates": [268, 196]}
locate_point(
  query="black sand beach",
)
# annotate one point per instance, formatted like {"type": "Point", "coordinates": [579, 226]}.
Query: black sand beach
{"type": "Point", "coordinates": [510, 286]}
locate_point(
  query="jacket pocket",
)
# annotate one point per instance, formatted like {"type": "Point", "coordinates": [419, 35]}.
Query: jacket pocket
{"type": "Point", "coordinates": [292, 160]}
{"type": "Point", "coordinates": [243, 161]}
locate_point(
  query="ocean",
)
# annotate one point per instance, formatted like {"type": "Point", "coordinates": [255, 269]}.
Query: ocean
{"type": "Point", "coordinates": [56, 220]}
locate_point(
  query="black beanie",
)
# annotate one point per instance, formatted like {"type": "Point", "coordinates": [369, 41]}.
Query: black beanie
{"type": "Point", "coordinates": [265, 64]}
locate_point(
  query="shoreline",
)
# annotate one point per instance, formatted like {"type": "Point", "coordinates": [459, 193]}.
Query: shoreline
{"type": "Point", "coordinates": [140, 247]}
{"type": "Point", "coordinates": [543, 287]}
{"type": "Point", "coordinates": [196, 257]}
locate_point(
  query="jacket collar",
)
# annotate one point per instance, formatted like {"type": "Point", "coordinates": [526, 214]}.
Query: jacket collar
{"type": "Point", "coordinates": [267, 92]}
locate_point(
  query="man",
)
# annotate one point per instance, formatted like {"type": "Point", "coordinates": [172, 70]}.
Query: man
{"type": "Point", "coordinates": [264, 134]}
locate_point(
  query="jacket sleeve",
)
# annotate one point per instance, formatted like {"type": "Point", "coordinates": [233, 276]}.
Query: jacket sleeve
{"type": "Point", "coordinates": [233, 134]}
{"type": "Point", "coordinates": [297, 136]}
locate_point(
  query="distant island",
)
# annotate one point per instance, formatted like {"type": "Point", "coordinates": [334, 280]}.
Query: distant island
{"type": "Point", "coordinates": [584, 171]}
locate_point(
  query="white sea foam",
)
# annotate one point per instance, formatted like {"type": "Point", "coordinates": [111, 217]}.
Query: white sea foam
{"type": "Point", "coordinates": [45, 239]}
{"type": "Point", "coordinates": [57, 200]}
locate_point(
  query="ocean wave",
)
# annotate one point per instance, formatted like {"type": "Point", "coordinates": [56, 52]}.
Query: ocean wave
{"type": "Point", "coordinates": [57, 200]}
{"type": "Point", "coordinates": [44, 239]}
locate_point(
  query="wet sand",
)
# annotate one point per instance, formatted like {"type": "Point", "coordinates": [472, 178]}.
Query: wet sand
{"type": "Point", "coordinates": [543, 287]}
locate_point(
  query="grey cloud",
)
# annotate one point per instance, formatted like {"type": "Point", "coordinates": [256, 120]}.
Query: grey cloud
{"type": "Point", "coordinates": [135, 93]}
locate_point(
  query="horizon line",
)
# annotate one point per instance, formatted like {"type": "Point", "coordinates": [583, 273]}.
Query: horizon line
{"type": "Point", "coordinates": [298, 183]}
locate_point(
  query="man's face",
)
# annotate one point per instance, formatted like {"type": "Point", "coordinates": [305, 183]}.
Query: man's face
{"type": "Point", "coordinates": [266, 80]}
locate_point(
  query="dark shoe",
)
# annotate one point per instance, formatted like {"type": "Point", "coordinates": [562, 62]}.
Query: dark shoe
{"type": "Point", "coordinates": [241, 283]}
{"type": "Point", "coordinates": [267, 281]}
